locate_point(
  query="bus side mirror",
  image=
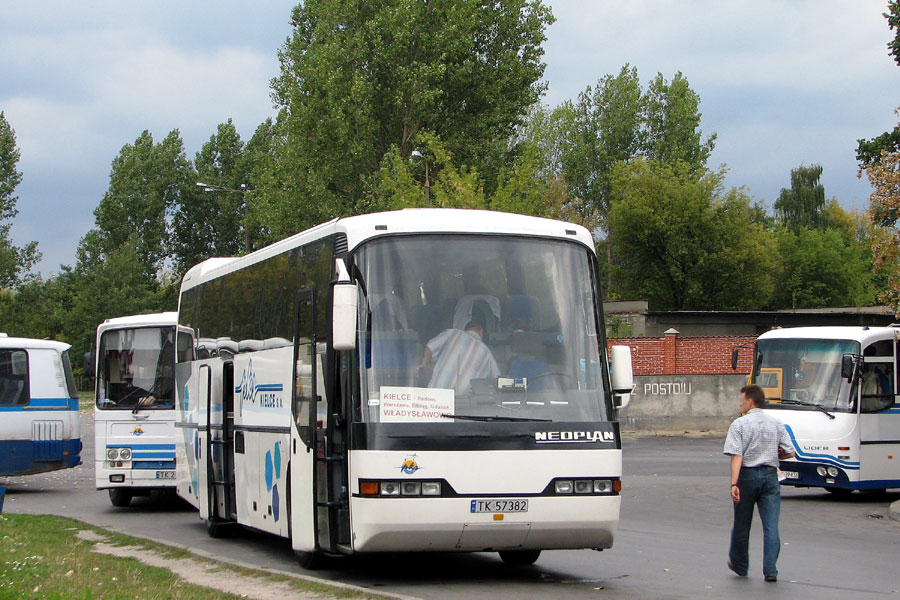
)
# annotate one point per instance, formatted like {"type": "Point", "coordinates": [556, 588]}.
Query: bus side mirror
{"type": "Point", "coordinates": [89, 362]}
{"type": "Point", "coordinates": [343, 310]}
{"type": "Point", "coordinates": [734, 358]}
{"type": "Point", "coordinates": [847, 364]}
{"type": "Point", "coordinates": [621, 375]}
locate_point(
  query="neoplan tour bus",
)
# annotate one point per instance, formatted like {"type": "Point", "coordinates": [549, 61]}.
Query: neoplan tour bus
{"type": "Point", "coordinates": [834, 388]}
{"type": "Point", "coordinates": [134, 414]}
{"type": "Point", "coordinates": [39, 425]}
{"type": "Point", "coordinates": [419, 380]}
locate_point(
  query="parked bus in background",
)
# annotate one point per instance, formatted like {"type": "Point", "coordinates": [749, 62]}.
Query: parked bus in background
{"type": "Point", "coordinates": [39, 425]}
{"type": "Point", "coordinates": [134, 414]}
{"type": "Point", "coordinates": [420, 380]}
{"type": "Point", "coordinates": [835, 390]}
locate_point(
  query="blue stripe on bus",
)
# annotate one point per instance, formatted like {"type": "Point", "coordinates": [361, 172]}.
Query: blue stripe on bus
{"type": "Point", "coordinates": [44, 404]}
{"type": "Point", "coordinates": [136, 447]}
{"type": "Point", "coordinates": [154, 464]}
{"type": "Point", "coordinates": [143, 455]}
{"type": "Point", "coordinates": [820, 458]}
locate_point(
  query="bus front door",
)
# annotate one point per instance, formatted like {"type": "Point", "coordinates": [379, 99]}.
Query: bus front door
{"type": "Point", "coordinates": [303, 434]}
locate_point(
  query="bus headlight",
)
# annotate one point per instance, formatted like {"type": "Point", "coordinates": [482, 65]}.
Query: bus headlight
{"type": "Point", "coordinates": [125, 453]}
{"type": "Point", "coordinates": [833, 471]}
{"type": "Point", "coordinates": [390, 488]}
{"type": "Point", "coordinates": [410, 488]}
{"type": "Point", "coordinates": [821, 471]}
{"type": "Point", "coordinates": [400, 488]}
{"type": "Point", "coordinates": [431, 488]}
{"type": "Point", "coordinates": [564, 486]}
{"type": "Point", "coordinates": [112, 454]}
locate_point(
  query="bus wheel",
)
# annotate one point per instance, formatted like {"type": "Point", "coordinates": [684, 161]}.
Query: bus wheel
{"type": "Point", "coordinates": [217, 529]}
{"type": "Point", "coordinates": [839, 492]}
{"type": "Point", "coordinates": [120, 496]}
{"type": "Point", "coordinates": [309, 560]}
{"type": "Point", "coordinates": [519, 558]}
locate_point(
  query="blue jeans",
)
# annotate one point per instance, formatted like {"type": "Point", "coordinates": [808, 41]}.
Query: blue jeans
{"type": "Point", "coordinates": [758, 486]}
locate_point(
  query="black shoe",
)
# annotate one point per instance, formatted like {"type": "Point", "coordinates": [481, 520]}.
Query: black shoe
{"type": "Point", "coordinates": [738, 573]}
{"type": "Point", "coordinates": [771, 578]}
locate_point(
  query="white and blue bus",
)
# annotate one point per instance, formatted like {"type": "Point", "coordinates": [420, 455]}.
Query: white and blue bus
{"type": "Point", "coordinates": [835, 389]}
{"type": "Point", "coordinates": [134, 414]}
{"type": "Point", "coordinates": [310, 409]}
{"type": "Point", "coordinates": [39, 425]}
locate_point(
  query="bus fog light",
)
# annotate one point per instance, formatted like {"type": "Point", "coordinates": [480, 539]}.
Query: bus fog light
{"type": "Point", "coordinates": [112, 454]}
{"type": "Point", "coordinates": [821, 471]}
{"type": "Point", "coordinates": [603, 486]}
{"type": "Point", "coordinates": [583, 486]}
{"type": "Point", "coordinates": [117, 478]}
{"type": "Point", "coordinates": [411, 488]}
{"type": "Point", "coordinates": [390, 488]}
{"type": "Point", "coordinates": [125, 453]}
{"type": "Point", "coordinates": [431, 488]}
{"type": "Point", "coordinates": [833, 471]}
{"type": "Point", "coordinates": [564, 486]}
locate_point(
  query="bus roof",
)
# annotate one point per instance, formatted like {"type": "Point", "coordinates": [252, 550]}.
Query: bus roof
{"type": "Point", "coordinates": [29, 343]}
{"type": "Point", "coordinates": [360, 228]}
{"type": "Point", "coordinates": [865, 335]}
{"type": "Point", "coordinates": [164, 318]}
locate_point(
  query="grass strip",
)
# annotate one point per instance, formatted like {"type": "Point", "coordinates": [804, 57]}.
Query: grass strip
{"type": "Point", "coordinates": [43, 557]}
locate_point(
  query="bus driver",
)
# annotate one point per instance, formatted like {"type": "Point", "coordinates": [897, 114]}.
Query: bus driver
{"type": "Point", "coordinates": [460, 357]}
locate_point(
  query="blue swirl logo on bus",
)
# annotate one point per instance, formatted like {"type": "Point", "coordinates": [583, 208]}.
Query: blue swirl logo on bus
{"type": "Point", "coordinates": [268, 395]}
{"type": "Point", "coordinates": [273, 474]}
{"type": "Point", "coordinates": [410, 465]}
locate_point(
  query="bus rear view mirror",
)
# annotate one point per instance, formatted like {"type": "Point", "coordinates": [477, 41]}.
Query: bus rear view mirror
{"type": "Point", "coordinates": [621, 376]}
{"type": "Point", "coordinates": [344, 307]}
{"type": "Point", "coordinates": [847, 365]}
{"type": "Point", "coordinates": [734, 358]}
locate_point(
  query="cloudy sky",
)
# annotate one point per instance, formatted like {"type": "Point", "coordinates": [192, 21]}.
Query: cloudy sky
{"type": "Point", "coordinates": [781, 84]}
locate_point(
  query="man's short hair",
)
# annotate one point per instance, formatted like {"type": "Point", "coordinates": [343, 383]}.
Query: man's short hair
{"type": "Point", "coordinates": [475, 324]}
{"type": "Point", "coordinates": [755, 394]}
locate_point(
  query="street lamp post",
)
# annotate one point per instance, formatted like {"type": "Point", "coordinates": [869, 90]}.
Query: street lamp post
{"type": "Point", "coordinates": [211, 187]}
{"type": "Point", "coordinates": [416, 155]}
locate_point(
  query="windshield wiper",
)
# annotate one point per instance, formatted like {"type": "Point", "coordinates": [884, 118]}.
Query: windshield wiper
{"type": "Point", "coordinates": [801, 403]}
{"type": "Point", "coordinates": [488, 419]}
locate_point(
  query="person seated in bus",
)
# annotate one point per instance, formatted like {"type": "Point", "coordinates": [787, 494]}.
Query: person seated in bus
{"type": "Point", "coordinates": [877, 392]}
{"type": "Point", "coordinates": [460, 356]}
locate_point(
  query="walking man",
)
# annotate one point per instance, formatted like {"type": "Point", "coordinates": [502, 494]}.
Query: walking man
{"type": "Point", "coordinates": [756, 442]}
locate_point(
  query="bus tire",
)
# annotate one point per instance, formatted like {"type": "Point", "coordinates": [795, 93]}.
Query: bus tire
{"type": "Point", "coordinates": [519, 558]}
{"type": "Point", "coordinates": [839, 492]}
{"type": "Point", "coordinates": [120, 497]}
{"type": "Point", "coordinates": [217, 529]}
{"type": "Point", "coordinates": [309, 560]}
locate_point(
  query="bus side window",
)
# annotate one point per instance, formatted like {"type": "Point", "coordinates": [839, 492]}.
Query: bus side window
{"type": "Point", "coordinates": [13, 378]}
{"type": "Point", "coordinates": [877, 387]}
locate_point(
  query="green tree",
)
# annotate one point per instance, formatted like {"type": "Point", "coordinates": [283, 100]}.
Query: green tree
{"type": "Point", "coordinates": [615, 121]}
{"type": "Point", "coordinates": [820, 269]}
{"type": "Point", "coordinates": [14, 261]}
{"type": "Point", "coordinates": [210, 220]}
{"type": "Point", "coordinates": [684, 243]}
{"type": "Point", "coordinates": [803, 205]}
{"type": "Point", "coordinates": [147, 181]}
{"type": "Point", "coordinates": [359, 77]}
{"type": "Point", "coordinates": [869, 151]}
{"type": "Point", "coordinates": [672, 123]}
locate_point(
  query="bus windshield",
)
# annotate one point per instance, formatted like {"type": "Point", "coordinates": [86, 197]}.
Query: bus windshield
{"type": "Point", "coordinates": [798, 373]}
{"type": "Point", "coordinates": [456, 328]}
{"type": "Point", "coordinates": [136, 368]}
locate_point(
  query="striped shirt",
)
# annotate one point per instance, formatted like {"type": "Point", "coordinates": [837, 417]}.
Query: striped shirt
{"type": "Point", "coordinates": [460, 356]}
{"type": "Point", "coordinates": [756, 437]}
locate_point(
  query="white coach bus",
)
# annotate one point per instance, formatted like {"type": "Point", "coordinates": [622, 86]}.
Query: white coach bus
{"type": "Point", "coordinates": [134, 414]}
{"type": "Point", "coordinates": [835, 390]}
{"type": "Point", "coordinates": [420, 380]}
{"type": "Point", "coordinates": [40, 429]}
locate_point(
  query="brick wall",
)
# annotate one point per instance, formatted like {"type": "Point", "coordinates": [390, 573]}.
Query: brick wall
{"type": "Point", "coordinates": [674, 354]}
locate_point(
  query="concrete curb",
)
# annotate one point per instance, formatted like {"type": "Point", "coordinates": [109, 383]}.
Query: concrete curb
{"type": "Point", "coordinates": [894, 510]}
